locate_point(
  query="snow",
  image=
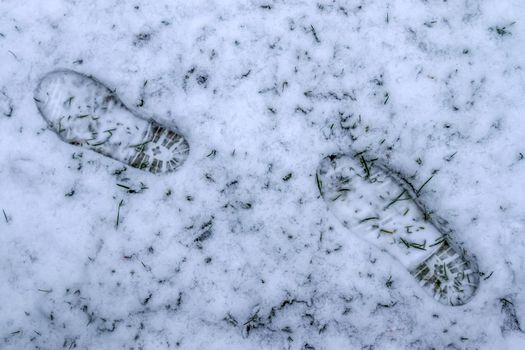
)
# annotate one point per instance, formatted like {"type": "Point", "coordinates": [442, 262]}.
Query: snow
{"type": "Point", "coordinates": [225, 253]}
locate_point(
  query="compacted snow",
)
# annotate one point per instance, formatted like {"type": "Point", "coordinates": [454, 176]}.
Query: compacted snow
{"type": "Point", "coordinates": [237, 249]}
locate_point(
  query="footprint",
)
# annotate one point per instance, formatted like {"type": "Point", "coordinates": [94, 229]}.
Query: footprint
{"type": "Point", "coordinates": [378, 206]}
{"type": "Point", "coordinates": [84, 112]}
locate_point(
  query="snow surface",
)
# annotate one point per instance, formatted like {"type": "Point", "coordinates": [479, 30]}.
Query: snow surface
{"type": "Point", "coordinates": [237, 250]}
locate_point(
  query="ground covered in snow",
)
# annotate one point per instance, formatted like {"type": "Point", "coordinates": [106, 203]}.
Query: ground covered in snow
{"type": "Point", "coordinates": [237, 250]}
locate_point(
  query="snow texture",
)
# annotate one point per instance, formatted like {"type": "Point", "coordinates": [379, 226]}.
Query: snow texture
{"type": "Point", "coordinates": [236, 249]}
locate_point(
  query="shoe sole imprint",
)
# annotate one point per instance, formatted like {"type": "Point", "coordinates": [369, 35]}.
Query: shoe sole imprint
{"type": "Point", "coordinates": [83, 111]}
{"type": "Point", "coordinates": [381, 208]}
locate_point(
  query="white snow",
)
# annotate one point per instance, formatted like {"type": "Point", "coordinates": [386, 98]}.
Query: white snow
{"type": "Point", "coordinates": [224, 253]}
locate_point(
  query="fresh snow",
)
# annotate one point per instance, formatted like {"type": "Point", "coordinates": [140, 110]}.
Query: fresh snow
{"type": "Point", "coordinates": [237, 249]}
